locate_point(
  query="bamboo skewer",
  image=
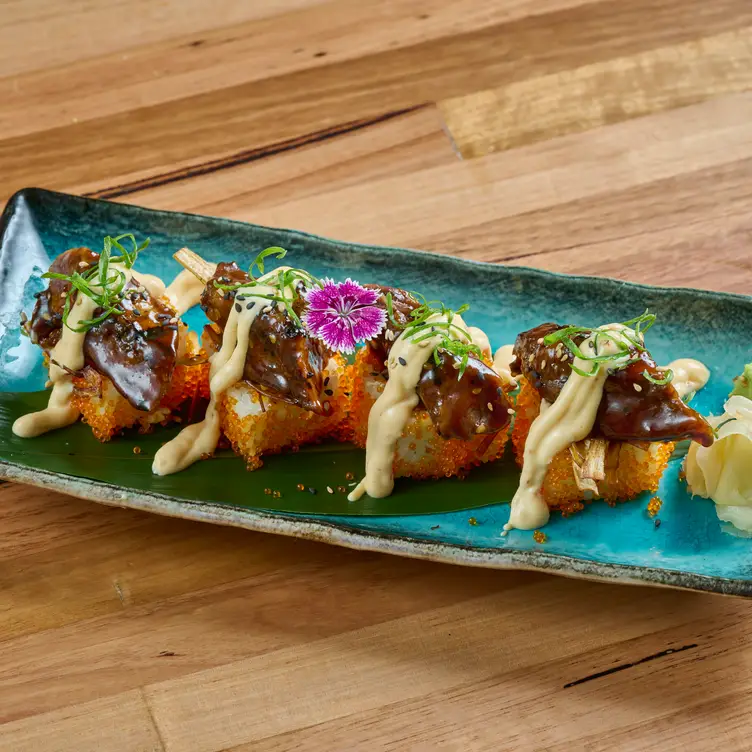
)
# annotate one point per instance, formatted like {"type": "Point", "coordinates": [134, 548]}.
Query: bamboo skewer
{"type": "Point", "coordinates": [201, 269]}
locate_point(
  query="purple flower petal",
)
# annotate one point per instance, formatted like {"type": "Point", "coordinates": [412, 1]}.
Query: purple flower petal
{"type": "Point", "coordinates": [367, 322]}
{"type": "Point", "coordinates": [342, 314]}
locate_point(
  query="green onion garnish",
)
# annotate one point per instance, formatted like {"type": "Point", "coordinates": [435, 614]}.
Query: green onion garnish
{"type": "Point", "coordinates": [419, 329]}
{"type": "Point", "coordinates": [103, 283]}
{"type": "Point", "coordinates": [639, 325]}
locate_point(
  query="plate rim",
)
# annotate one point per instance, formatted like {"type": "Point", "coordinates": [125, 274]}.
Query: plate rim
{"type": "Point", "coordinates": [446, 257]}
{"type": "Point", "coordinates": [337, 533]}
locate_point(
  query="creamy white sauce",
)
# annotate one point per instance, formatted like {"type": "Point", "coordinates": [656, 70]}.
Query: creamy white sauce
{"type": "Point", "coordinates": [689, 375]}
{"type": "Point", "coordinates": [185, 290]}
{"type": "Point", "coordinates": [479, 338]}
{"type": "Point", "coordinates": [391, 411]}
{"type": "Point", "coordinates": [502, 361]}
{"type": "Point", "coordinates": [69, 352]}
{"type": "Point", "coordinates": [569, 419]}
{"type": "Point", "coordinates": [200, 439]}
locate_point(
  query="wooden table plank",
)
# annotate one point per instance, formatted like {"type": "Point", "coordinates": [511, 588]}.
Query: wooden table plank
{"type": "Point", "coordinates": [212, 124]}
{"type": "Point", "coordinates": [605, 92]}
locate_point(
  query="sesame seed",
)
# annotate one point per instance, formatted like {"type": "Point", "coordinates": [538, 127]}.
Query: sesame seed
{"type": "Point", "coordinates": [250, 305]}
{"type": "Point", "coordinates": [402, 361]}
{"type": "Point", "coordinates": [328, 392]}
{"type": "Point", "coordinates": [273, 338]}
{"type": "Point", "coordinates": [510, 411]}
{"type": "Point", "coordinates": [329, 490]}
{"type": "Point", "coordinates": [540, 340]}
{"type": "Point", "coordinates": [241, 298]}
{"type": "Point", "coordinates": [499, 391]}
{"type": "Point", "coordinates": [637, 387]}
{"type": "Point", "coordinates": [312, 490]}
{"type": "Point", "coordinates": [326, 381]}
{"type": "Point", "coordinates": [238, 307]}
{"type": "Point", "coordinates": [543, 364]}
{"type": "Point", "coordinates": [489, 406]}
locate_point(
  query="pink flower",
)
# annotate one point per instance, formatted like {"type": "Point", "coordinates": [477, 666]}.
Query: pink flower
{"type": "Point", "coordinates": [342, 314]}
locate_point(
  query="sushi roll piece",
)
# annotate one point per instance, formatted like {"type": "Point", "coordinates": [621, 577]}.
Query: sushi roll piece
{"type": "Point", "coordinates": [596, 418]}
{"type": "Point", "coordinates": [271, 385]}
{"type": "Point", "coordinates": [118, 354]}
{"type": "Point", "coordinates": [427, 402]}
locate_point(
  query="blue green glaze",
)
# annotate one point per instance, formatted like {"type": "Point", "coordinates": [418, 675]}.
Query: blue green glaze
{"type": "Point", "coordinates": [689, 549]}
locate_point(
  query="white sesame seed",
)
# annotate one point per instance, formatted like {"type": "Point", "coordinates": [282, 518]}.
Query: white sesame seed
{"type": "Point", "coordinates": [329, 489]}
{"type": "Point", "coordinates": [510, 411]}
{"type": "Point", "coordinates": [490, 406]}
{"type": "Point", "coordinates": [637, 387]}
{"type": "Point", "coordinates": [540, 340]}
{"type": "Point", "coordinates": [543, 364]}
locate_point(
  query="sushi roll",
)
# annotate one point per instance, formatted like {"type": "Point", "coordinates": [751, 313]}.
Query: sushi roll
{"type": "Point", "coordinates": [427, 402]}
{"type": "Point", "coordinates": [117, 352]}
{"type": "Point", "coordinates": [271, 385]}
{"type": "Point", "coordinates": [596, 418]}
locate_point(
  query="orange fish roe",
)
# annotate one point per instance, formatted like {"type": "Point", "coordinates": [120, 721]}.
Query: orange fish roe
{"type": "Point", "coordinates": [108, 413]}
{"type": "Point", "coordinates": [539, 537]}
{"type": "Point", "coordinates": [654, 506]}
{"type": "Point", "coordinates": [630, 470]}
{"type": "Point", "coordinates": [421, 452]}
{"type": "Point", "coordinates": [255, 428]}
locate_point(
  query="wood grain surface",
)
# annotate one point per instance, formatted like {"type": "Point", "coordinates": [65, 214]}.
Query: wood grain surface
{"type": "Point", "coordinates": [590, 136]}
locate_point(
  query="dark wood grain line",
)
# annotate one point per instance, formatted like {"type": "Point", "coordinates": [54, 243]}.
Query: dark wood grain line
{"type": "Point", "coordinates": [267, 111]}
{"type": "Point", "coordinates": [625, 666]}
{"type": "Point", "coordinates": [248, 155]}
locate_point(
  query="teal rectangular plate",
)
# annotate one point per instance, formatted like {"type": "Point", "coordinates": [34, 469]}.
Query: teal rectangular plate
{"type": "Point", "coordinates": [446, 520]}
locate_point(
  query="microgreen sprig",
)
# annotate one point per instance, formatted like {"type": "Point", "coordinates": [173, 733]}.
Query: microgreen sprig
{"type": "Point", "coordinates": [103, 282]}
{"type": "Point", "coordinates": [622, 339]}
{"type": "Point", "coordinates": [282, 281]}
{"type": "Point", "coordinates": [420, 327]}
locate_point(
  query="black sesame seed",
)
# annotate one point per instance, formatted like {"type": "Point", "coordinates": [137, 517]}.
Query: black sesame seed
{"type": "Point", "coordinates": [657, 522]}
{"type": "Point", "coordinates": [309, 375]}
{"type": "Point", "coordinates": [326, 381]}
{"type": "Point", "coordinates": [238, 307]}
{"type": "Point", "coordinates": [499, 391]}
{"type": "Point", "coordinates": [241, 298]}
{"type": "Point", "coordinates": [402, 361]}
{"type": "Point", "coordinates": [250, 305]}
{"type": "Point", "coordinates": [328, 392]}
{"type": "Point", "coordinates": [312, 490]}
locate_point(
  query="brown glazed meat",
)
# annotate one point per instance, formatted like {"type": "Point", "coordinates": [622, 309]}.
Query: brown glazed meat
{"type": "Point", "coordinates": [136, 350]}
{"type": "Point", "coordinates": [650, 412]}
{"type": "Point", "coordinates": [283, 362]}
{"type": "Point", "coordinates": [45, 326]}
{"type": "Point", "coordinates": [459, 409]}
{"type": "Point", "coordinates": [476, 404]}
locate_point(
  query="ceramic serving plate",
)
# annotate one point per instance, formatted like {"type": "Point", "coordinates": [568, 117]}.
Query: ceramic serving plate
{"type": "Point", "coordinates": [447, 520]}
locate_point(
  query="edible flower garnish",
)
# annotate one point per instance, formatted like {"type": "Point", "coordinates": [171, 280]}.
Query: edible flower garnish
{"type": "Point", "coordinates": [341, 314]}
{"type": "Point", "coordinates": [103, 283]}
{"type": "Point", "coordinates": [623, 340]}
{"type": "Point", "coordinates": [421, 328]}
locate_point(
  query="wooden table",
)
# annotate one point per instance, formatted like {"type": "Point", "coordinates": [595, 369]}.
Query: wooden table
{"type": "Point", "coordinates": [604, 137]}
